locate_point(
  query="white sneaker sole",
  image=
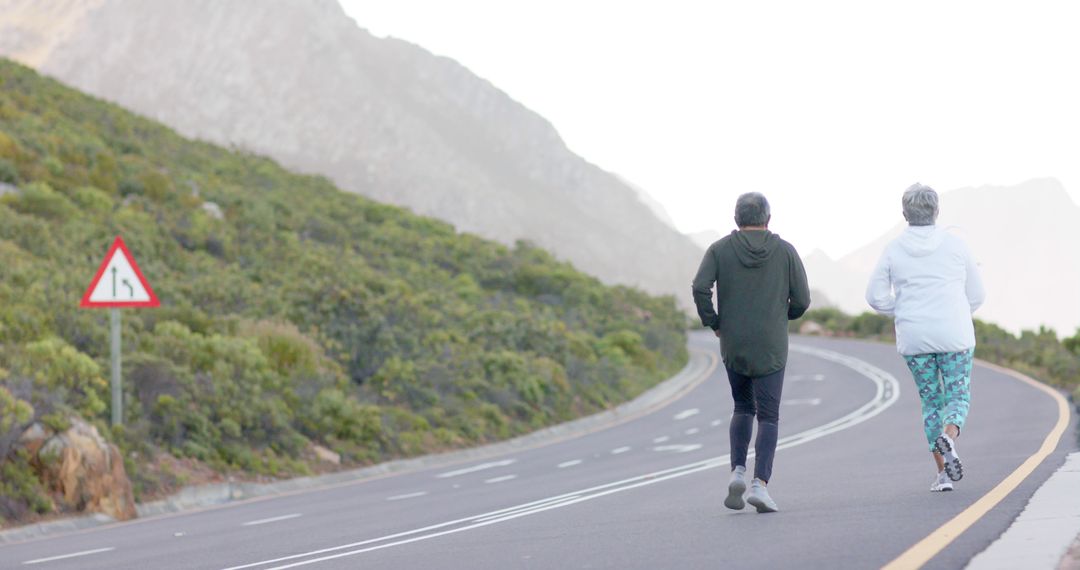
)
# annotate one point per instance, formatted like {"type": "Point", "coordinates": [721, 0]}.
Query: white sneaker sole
{"type": "Point", "coordinates": [761, 505]}
{"type": "Point", "coordinates": [954, 469]}
{"type": "Point", "coordinates": [735, 491]}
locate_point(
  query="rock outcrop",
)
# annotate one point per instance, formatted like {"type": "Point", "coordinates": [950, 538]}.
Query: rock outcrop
{"type": "Point", "coordinates": [84, 472]}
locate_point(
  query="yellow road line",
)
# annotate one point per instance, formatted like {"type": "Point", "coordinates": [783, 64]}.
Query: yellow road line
{"type": "Point", "coordinates": [927, 548]}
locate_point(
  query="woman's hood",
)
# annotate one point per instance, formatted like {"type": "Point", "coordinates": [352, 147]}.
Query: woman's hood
{"type": "Point", "coordinates": [919, 241]}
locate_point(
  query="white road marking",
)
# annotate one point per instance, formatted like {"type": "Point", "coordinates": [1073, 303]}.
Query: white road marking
{"type": "Point", "coordinates": [272, 520]}
{"type": "Point", "coordinates": [501, 479]}
{"type": "Point", "coordinates": [476, 468]}
{"type": "Point", "coordinates": [715, 423]}
{"type": "Point", "coordinates": [619, 450]}
{"type": "Point", "coordinates": [687, 413]}
{"type": "Point", "coordinates": [803, 402]}
{"type": "Point", "coordinates": [864, 413]}
{"type": "Point", "coordinates": [692, 431]}
{"type": "Point", "coordinates": [570, 463]}
{"type": "Point", "coordinates": [72, 555]}
{"type": "Point", "coordinates": [806, 377]}
{"type": "Point", "coordinates": [678, 448]}
{"type": "Point", "coordinates": [407, 496]}
{"type": "Point", "coordinates": [528, 508]}
{"type": "Point", "coordinates": [661, 439]}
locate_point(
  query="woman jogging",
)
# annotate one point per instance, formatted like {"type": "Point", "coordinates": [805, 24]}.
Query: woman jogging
{"type": "Point", "coordinates": [928, 281]}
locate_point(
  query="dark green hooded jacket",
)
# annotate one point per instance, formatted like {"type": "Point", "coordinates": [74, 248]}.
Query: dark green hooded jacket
{"type": "Point", "coordinates": [760, 285]}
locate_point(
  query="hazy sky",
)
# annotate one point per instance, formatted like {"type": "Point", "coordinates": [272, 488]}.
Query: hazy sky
{"type": "Point", "coordinates": [829, 108]}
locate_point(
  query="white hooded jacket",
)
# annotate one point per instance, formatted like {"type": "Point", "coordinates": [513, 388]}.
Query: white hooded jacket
{"type": "Point", "coordinates": [928, 281]}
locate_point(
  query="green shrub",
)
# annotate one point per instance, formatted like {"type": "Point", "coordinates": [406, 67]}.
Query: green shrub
{"type": "Point", "coordinates": [93, 200]}
{"type": "Point", "coordinates": [1072, 344]}
{"type": "Point", "coordinates": [39, 199]}
{"type": "Point", "coordinates": [8, 173]}
{"type": "Point", "coordinates": [15, 417]}
{"type": "Point", "coordinates": [9, 149]}
{"type": "Point", "coordinates": [65, 372]}
{"type": "Point", "coordinates": [20, 491]}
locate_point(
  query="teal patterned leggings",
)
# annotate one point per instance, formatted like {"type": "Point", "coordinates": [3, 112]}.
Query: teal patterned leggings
{"type": "Point", "coordinates": [944, 381]}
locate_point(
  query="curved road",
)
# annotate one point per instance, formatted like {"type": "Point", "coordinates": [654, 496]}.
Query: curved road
{"type": "Point", "coordinates": [851, 480]}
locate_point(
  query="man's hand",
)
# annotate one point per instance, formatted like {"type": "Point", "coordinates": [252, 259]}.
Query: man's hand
{"type": "Point", "coordinates": [716, 332]}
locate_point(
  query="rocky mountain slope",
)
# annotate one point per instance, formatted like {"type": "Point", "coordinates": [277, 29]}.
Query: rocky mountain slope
{"type": "Point", "coordinates": [1025, 238]}
{"type": "Point", "coordinates": [299, 81]}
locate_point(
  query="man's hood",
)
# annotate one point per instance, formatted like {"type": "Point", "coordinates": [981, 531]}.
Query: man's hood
{"type": "Point", "coordinates": [920, 241]}
{"type": "Point", "coordinates": [754, 247]}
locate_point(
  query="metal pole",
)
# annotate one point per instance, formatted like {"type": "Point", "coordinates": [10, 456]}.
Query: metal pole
{"type": "Point", "coordinates": [117, 392]}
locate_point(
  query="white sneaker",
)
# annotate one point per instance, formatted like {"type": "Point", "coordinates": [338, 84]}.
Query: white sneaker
{"type": "Point", "coordinates": [942, 483]}
{"type": "Point", "coordinates": [947, 448]}
{"type": "Point", "coordinates": [760, 499]}
{"type": "Point", "coordinates": [735, 489]}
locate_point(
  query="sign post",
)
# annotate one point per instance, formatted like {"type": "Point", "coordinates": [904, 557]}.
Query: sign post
{"type": "Point", "coordinates": [114, 376]}
{"type": "Point", "coordinates": [119, 283]}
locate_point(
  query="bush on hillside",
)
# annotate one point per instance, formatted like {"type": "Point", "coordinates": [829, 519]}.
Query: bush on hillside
{"type": "Point", "coordinates": [300, 315]}
{"type": "Point", "coordinates": [1037, 353]}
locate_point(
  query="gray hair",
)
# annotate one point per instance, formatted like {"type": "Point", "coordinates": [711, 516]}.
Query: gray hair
{"type": "Point", "coordinates": [751, 209]}
{"type": "Point", "coordinates": [920, 205]}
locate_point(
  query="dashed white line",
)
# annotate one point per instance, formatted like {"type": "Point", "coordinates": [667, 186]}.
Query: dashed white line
{"type": "Point", "coordinates": [570, 463]}
{"type": "Point", "coordinates": [619, 450]}
{"type": "Point", "coordinates": [72, 555]}
{"type": "Point", "coordinates": [661, 439]}
{"type": "Point", "coordinates": [715, 423]}
{"type": "Point", "coordinates": [692, 431]}
{"type": "Point", "coordinates": [407, 496]}
{"type": "Point", "coordinates": [678, 448]}
{"type": "Point", "coordinates": [476, 468]}
{"type": "Point", "coordinates": [687, 413]}
{"type": "Point", "coordinates": [271, 520]}
{"type": "Point", "coordinates": [803, 402]}
{"type": "Point", "coordinates": [806, 377]}
{"type": "Point", "coordinates": [501, 479]}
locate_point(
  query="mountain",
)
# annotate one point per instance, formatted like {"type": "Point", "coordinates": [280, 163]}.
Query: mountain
{"type": "Point", "coordinates": [653, 204]}
{"type": "Point", "coordinates": [1024, 238]}
{"type": "Point", "coordinates": [292, 314]}
{"type": "Point", "coordinates": [299, 81]}
{"type": "Point", "coordinates": [705, 238]}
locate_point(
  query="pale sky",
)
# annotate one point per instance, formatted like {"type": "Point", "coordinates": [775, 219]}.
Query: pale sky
{"type": "Point", "coordinates": [829, 108]}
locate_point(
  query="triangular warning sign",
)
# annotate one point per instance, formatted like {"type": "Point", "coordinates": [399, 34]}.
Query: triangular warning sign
{"type": "Point", "coordinates": [118, 282]}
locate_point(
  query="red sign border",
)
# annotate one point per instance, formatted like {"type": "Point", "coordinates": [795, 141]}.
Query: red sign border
{"type": "Point", "coordinates": [86, 303]}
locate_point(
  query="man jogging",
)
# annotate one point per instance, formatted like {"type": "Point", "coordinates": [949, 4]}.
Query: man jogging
{"type": "Point", "coordinates": [760, 285]}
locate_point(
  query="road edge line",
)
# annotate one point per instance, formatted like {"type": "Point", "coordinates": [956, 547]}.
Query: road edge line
{"type": "Point", "coordinates": [921, 552]}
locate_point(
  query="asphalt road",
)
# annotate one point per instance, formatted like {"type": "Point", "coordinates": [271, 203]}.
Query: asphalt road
{"type": "Point", "coordinates": [852, 482]}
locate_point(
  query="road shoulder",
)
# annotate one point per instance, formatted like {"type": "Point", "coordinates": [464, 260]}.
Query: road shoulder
{"type": "Point", "coordinates": [1046, 529]}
